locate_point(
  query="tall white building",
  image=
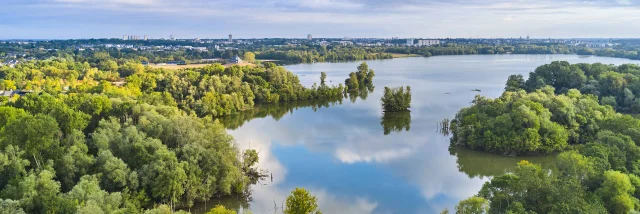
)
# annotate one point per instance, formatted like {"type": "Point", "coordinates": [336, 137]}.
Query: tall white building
{"type": "Point", "coordinates": [230, 38]}
{"type": "Point", "coordinates": [309, 37]}
{"type": "Point", "coordinates": [428, 42]}
{"type": "Point", "coordinates": [410, 42]}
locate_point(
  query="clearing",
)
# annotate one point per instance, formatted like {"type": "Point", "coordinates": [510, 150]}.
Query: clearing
{"type": "Point", "coordinates": [195, 65]}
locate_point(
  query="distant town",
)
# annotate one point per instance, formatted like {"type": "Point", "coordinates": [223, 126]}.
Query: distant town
{"type": "Point", "coordinates": [13, 52]}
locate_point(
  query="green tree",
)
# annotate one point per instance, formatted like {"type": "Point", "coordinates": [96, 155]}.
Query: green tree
{"type": "Point", "coordinates": [108, 65]}
{"type": "Point", "coordinates": [249, 57]}
{"type": "Point", "coordinates": [616, 192]}
{"type": "Point", "coordinates": [473, 205]}
{"type": "Point", "coordinates": [88, 192]}
{"type": "Point", "coordinates": [38, 193]}
{"type": "Point", "coordinates": [396, 99]}
{"type": "Point", "coordinates": [352, 82]}
{"type": "Point", "coordinates": [75, 161]}
{"type": "Point", "coordinates": [219, 209]}
{"type": "Point", "coordinates": [301, 202]}
{"type": "Point", "coordinates": [38, 135]}
{"type": "Point", "coordinates": [130, 68]}
{"type": "Point", "coordinates": [12, 165]}
{"type": "Point", "coordinates": [8, 206]}
{"type": "Point", "coordinates": [514, 83]}
{"type": "Point", "coordinates": [115, 174]}
{"type": "Point", "coordinates": [323, 77]}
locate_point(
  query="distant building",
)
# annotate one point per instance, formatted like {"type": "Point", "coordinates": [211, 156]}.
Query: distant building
{"type": "Point", "coordinates": [171, 37]}
{"type": "Point", "coordinates": [11, 63]}
{"type": "Point", "coordinates": [145, 63]}
{"type": "Point", "coordinates": [235, 60]}
{"type": "Point", "coordinates": [410, 42]}
{"type": "Point", "coordinates": [199, 49]}
{"type": "Point", "coordinates": [132, 37]}
{"type": "Point", "coordinates": [146, 38]}
{"type": "Point", "coordinates": [10, 93]}
{"type": "Point", "coordinates": [309, 37]}
{"type": "Point", "coordinates": [428, 42]}
{"type": "Point", "coordinates": [230, 38]}
{"type": "Point", "coordinates": [344, 42]}
{"type": "Point", "coordinates": [124, 37]}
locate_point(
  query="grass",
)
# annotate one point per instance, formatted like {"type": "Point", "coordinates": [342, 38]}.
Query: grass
{"type": "Point", "coordinates": [177, 67]}
{"type": "Point", "coordinates": [397, 55]}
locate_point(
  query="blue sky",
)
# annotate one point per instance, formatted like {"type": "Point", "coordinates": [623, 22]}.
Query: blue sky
{"type": "Point", "coordinates": [63, 19]}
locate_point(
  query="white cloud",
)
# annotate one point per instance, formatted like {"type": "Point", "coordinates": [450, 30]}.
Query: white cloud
{"type": "Point", "coordinates": [129, 2]}
{"type": "Point", "coordinates": [374, 155]}
{"type": "Point", "coordinates": [624, 2]}
{"type": "Point", "coordinates": [354, 18]}
{"type": "Point", "coordinates": [328, 4]}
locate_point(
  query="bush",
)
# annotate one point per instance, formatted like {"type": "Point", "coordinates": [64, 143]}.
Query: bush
{"type": "Point", "coordinates": [396, 99]}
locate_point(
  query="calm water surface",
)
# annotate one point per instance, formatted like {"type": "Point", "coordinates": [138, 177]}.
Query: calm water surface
{"type": "Point", "coordinates": [340, 151]}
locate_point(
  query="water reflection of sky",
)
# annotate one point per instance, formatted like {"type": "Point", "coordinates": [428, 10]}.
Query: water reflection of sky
{"type": "Point", "coordinates": [341, 154]}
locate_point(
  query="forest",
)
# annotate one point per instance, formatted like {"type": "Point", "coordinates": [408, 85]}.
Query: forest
{"type": "Point", "coordinates": [557, 110]}
{"type": "Point", "coordinates": [107, 135]}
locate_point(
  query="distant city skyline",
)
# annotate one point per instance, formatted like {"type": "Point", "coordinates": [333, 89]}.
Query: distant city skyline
{"type": "Point", "coordinates": [82, 19]}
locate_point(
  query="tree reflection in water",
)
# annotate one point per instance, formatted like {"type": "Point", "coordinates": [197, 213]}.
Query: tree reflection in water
{"type": "Point", "coordinates": [395, 121]}
{"type": "Point", "coordinates": [443, 127]}
{"type": "Point", "coordinates": [362, 93]}
{"type": "Point", "coordinates": [482, 164]}
{"type": "Point", "coordinates": [276, 111]}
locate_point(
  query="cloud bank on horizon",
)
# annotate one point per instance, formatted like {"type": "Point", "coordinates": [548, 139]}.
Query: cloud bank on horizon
{"type": "Point", "coordinates": [60, 19]}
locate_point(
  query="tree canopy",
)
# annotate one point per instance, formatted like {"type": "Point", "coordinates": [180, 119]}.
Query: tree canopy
{"type": "Point", "coordinates": [301, 202]}
{"type": "Point", "coordinates": [597, 170]}
{"type": "Point", "coordinates": [396, 99]}
{"type": "Point", "coordinates": [111, 136]}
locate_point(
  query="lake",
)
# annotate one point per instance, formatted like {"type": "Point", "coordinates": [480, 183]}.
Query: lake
{"type": "Point", "coordinates": [357, 160]}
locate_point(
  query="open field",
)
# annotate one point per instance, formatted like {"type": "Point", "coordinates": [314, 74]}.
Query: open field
{"type": "Point", "coordinates": [397, 55]}
{"type": "Point", "coordinates": [176, 67]}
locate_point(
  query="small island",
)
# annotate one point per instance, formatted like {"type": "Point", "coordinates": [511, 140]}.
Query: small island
{"type": "Point", "coordinates": [396, 99]}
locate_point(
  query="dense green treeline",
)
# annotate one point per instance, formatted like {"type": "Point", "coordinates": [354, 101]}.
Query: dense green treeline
{"type": "Point", "coordinates": [218, 91]}
{"type": "Point", "coordinates": [212, 90]}
{"type": "Point", "coordinates": [310, 54]}
{"type": "Point", "coordinates": [459, 49]}
{"type": "Point", "coordinates": [614, 85]}
{"type": "Point", "coordinates": [520, 123]}
{"type": "Point", "coordinates": [599, 168]}
{"type": "Point", "coordinates": [160, 51]}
